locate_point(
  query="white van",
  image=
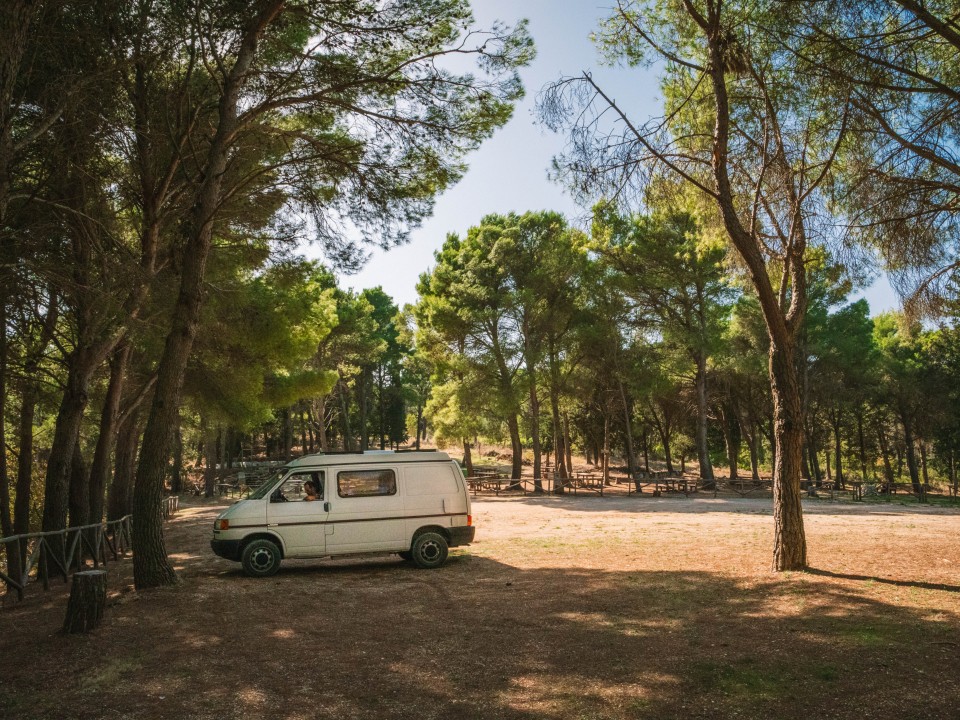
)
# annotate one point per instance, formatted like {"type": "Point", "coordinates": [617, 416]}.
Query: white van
{"type": "Point", "coordinates": [412, 503]}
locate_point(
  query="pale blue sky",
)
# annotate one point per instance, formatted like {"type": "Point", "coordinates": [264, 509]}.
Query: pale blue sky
{"type": "Point", "coordinates": [509, 171]}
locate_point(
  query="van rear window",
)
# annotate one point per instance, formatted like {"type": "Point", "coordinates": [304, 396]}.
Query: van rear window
{"type": "Point", "coordinates": [366, 483]}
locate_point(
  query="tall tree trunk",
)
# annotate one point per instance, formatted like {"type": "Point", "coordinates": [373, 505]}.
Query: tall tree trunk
{"type": "Point", "coordinates": [628, 429]}
{"type": "Point", "coordinates": [863, 447]}
{"type": "Point", "coordinates": [703, 449]}
{"type": "Point", "coordinates": [362, 401]}
{"type": "Point", "coordinates": [606, 448]}
{"type": "Point", "coordinates": [530, 362]}
{"type": "Point", "coordinates": [287, 431]}
{"type": "Point", "coordinates": [150, 565]}
{"type": "Point", "coordinates": [815, 461]}
{"type": "Point", "coordinates": [923, 462]}
{"type": "Point", "coordinates": [66, 433]}
{"type": "Point", "coordinates": [345, 418]}
{"type": "Point", "coordinates": [6, 519]}
{"type": "Point", "coordinates": [755, 454]}
{"type": "Point", "coordinates": [21, 503]}
{"type": "Point", "coordinates": [567, 445]}
{"type": "Point", "coordinates": [953, 472]}
{"type": "Point", "coordinates": [176, 472]}
{"type": "Point", "coordinates": [838, 449]}
{"type": "Point", "coordinates": [320, 421]}
{"type": "Point", "coordinates": [467, 458]}
{"type": "Point", "coordinates": [790, 546]}
{"type": "Point", "coordinates": [646, 450]}
{"type": "Point", "coordinates": [100, 466]}
{"type": "Point", "coordinates": [120, 495]}
{"type": "Point", "coordinates": [908, 441]}
{"type": "Point", "coordinates": [513, 424]}
{"type": "Point", "coordinates": [79, 504]}
{"type": "Point", "coordinates": [209, 460]}
{"type": "Point", "coordinates": [731, 438]}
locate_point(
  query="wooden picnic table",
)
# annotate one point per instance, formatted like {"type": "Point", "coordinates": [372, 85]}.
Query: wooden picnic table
{"type": "Point", "coordinates": [745, 486]}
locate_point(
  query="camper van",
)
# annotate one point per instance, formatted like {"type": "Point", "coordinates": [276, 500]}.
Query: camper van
{"type": "Point", "coordinates": [333, 504]}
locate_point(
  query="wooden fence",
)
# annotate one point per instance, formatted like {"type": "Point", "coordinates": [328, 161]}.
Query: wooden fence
{"type": "Point", "coordinates": [62, 552]}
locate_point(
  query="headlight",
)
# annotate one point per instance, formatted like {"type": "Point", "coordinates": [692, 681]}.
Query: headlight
{"type": "Point", "coordinates": [221, 525]}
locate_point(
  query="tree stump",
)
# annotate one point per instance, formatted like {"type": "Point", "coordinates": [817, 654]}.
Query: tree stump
{"type": "Point", "coordinates": [88, 597]}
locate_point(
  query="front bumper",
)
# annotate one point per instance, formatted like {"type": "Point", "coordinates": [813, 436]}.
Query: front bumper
{"type": "Point", "coordinates": [461, 535]}
{"type": "Point", "coordinates": [229, 549]}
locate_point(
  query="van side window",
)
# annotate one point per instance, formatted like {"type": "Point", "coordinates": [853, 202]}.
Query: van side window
{"type": "Point", "coordinates": [366, 483]}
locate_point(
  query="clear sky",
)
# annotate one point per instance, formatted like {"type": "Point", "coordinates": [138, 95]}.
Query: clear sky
{"type": "Point", "coordinates": [509, 171]}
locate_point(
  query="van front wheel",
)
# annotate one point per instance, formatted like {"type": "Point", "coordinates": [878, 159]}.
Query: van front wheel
{"type": "Point", "coordinates": [429, 550]}
{"type": "Point", "coordinates": [261, 558]}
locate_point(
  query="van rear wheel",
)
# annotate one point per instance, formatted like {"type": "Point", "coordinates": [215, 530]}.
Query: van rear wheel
{"type": "Point", "coordinates": [429, 550]}
{"type": "Point", "coordinates": [261, 558]}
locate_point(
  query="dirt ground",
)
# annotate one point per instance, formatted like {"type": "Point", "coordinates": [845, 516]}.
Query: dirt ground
{"type": "Point", "coordinates": [576, 607]}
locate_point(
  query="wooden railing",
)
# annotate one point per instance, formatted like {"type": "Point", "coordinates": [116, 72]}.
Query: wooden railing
{"type": "Point", "coordinates": [59, 553]}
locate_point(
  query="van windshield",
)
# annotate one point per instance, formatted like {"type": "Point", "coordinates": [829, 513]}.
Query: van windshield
{"type": "Point", "coordinates": [267, 485]}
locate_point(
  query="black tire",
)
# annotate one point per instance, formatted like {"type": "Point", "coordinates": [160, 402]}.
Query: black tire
{"type": "Point", "coordinates": [406, 555]}
{"type": "Point", "coordinates": [260, 558]}
{"type": "Point", "coordinates": [429, 550]}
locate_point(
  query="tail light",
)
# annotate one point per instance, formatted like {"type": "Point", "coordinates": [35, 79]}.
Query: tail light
{"type": "Point", "coordinates": [469, 520]}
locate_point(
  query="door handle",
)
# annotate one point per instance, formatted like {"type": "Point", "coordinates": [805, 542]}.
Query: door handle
{"type": "Point", "coordinates": [326, 507]}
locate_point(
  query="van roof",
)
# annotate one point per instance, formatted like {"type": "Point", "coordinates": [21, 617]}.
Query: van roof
{"type": "Point", "coordinates": [370, 456]}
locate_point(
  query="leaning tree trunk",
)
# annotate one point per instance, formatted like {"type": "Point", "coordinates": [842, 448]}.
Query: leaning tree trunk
{"type": "Point", "coordinates": [150, 565]}
{"type": "Point", "coordinates": [100, 466]}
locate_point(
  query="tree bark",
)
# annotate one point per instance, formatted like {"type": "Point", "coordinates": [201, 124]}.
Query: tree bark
{"type": "Point", "coordinates": [703, 405]}
{"type": "Point", "coordinates": [628, 430]}
{"type": "Point", "coordinates": [150, 565]}
{"type": "Point", "coordinates": [606, 448]}
{"type": "Point", "coordinates": [79, 489]}
{"type": "Point", "coordinates": [513, 425]}
{"type": "Point", "coordinates": [100, 466]}
{"type": "Point", "coordinates": [345, 418]}
{"type": "Point", "coordinates": [88, 598]}
{"type": "Point", "coordinates": [176, 472]}
{"type": "Point", "coordinates": [908, 441]}
{"type": "Point", "coordinates": [362, 401]}
{"type": "Point", "coordinates": [467, 458]}
{"type": "Point", "coordinates": [529, 360]}
{"type": "Point", "coordinates": [839, 479]}
{"type": "Point", "coordinates": [209, 461]}
{"type": "Point", "coordinates": [120, 495]}
{"type": "Point", "coordinates": [6, 519]}
{"type": "Point", "coordinates": [790, 546]}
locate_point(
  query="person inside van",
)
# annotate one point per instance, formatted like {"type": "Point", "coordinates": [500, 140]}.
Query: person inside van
{"type": "Point", "coordinates": [311, 491]}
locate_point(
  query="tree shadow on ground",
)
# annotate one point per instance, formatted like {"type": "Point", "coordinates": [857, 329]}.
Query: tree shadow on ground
{"type": "Point", "coordinates": [708, 505]}
{"type": "Point", "coordinates": [482, 639]}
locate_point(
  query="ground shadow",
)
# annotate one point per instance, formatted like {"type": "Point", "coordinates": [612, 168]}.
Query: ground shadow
{"type": "Point", "coordinates": [480, 638]}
